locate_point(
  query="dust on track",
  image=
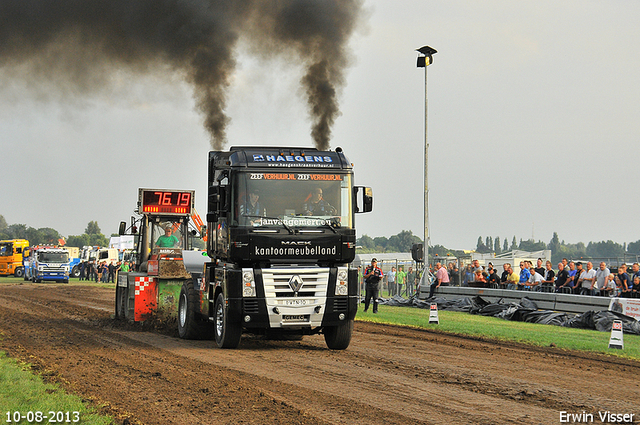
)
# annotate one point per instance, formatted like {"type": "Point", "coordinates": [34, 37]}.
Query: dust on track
{"type": "Point", "coordinates": [388, 375]}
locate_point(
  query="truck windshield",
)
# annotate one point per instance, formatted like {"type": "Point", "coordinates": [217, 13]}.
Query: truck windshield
{"type": "Point", "coordinates": [295, 199]}
{"type": "Point", "coordinates": [6, 250]}
{"type": "Point", "coordinates": [53, 257]}
{"type": "Point", "coordinates": [167, 234]}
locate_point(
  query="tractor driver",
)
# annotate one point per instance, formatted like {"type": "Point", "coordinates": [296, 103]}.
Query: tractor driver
{"type": "Point", "coordinates": [167, 240]}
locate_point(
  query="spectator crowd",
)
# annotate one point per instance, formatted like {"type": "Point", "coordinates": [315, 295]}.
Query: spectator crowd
{"type": "Point", "coordinates": [103, 272]}
{"type": "Point", "coordinates": [570, 277]}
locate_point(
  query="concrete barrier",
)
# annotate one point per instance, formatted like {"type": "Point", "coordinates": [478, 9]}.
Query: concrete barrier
{"type": "Point", "coordinates": [567, 303]}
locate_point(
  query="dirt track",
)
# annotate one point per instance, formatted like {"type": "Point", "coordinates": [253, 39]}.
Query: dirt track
{"type": "Point", "coordinates": [388, 375]}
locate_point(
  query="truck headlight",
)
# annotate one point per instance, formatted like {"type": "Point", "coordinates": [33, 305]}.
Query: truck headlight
{"type": "Point", "coordinates": [342, 287]}
{"type": "Point", "coordinates": [248, 283]}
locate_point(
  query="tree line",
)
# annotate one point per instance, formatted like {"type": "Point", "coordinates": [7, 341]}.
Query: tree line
{"type": "Point", "coordinates": [560, 249]}
{"type": "Point", "coordinates": [403, 241]}
{"type": "Point", "coordinates": [47, 236]}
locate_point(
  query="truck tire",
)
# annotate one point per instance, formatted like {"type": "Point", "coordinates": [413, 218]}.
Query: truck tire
{"type": "Point", "coordinates": [75, 272]}
{"type": "Point", "coordinates": [338, 337]}
{"type": "Point", "coordinates": [19, 272]}
{"type": "Point", "coordinates": [121, 302]}
{"type": "Point", "coordinates": [227, 334]}
{"type": "Point", "coordinates": [190, 325]}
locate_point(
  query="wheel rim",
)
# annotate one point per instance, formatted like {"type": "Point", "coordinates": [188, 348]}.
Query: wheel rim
{"type": "Point", "coordinates": [219, 319]}
{"type": "Point", "coordinates": [182, 313]}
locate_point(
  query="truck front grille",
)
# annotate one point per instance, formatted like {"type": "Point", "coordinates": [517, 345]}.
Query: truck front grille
{"type": "Point", "coordinates": [314, 282]}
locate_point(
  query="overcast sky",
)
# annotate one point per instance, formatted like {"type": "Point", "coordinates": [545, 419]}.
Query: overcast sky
{"type": "Point", "coordinates": [534, 112]}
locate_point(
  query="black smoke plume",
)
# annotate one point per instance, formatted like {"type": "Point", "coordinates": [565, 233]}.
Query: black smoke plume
{"type": "Point", "coordinates": [77, 44]}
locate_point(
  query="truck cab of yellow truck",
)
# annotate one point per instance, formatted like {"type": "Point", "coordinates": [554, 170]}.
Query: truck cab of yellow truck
{"type": "Point", "coordinates": [11, 257]}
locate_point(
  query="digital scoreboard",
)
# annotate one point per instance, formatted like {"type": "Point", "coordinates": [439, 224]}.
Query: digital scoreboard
{"type": "Point", "coordinates": [169, 202]}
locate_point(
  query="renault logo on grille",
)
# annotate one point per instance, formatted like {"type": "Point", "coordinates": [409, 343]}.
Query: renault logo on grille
{"type": "Point", "coordinates": [295, 283]}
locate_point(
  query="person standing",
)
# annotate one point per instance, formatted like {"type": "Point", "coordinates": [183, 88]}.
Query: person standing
{"type": "Point", "coordinates": [117, 271]}
{"type": "Point", "coordinates": [442, 278]}
{"type": "Point", "coordinates": [525, 275]}
{"type": "Point", "coordinates": [391, 281]}
{"type": "Point", "coordinates": [635, 270]}
{"type": "Point", "coordinates": [125, 267]}
{"type": "Point", "coordinates": [476, 268]}
{"type": "Point", "coordinates": [89, 271]}
{"type": "Point", "coordinates": [401, 278]}
{"type": "Point", "coordinates": [454, 274]}
{"type": "Point", "coordinates": [623, 278]}
{"type": "Point", "coordinates": [360, 282]}
{"type": "Point", "coordinates": [372, 276]}
{"type": "Point", "coordinates": [549, 278]}
{"type": "Point", "coordinates": [111, 272]}
{"type": "Point", "coordinates": [602, 278]}
{"type": "Point", "coordinates": [83, 267]}
{"type": "Point", "coordinates": [590, 278]}
{"type": "Point", "coordinates": [411, 281]}
{"type": "Point", "coordinates": [505, 275]}
{"type": "Point", "coordinates": [587, 278]}
{"type": "Point", "coordinates": [562, 278]}
{"type": "Point", "coordinates": [99, 273]}
{"type": "Point", "coordinates": [573, 276]}
{"type": "Point", "coordinates": [469, 276]}
{"type": "Point", "coordinates": [539, 269]}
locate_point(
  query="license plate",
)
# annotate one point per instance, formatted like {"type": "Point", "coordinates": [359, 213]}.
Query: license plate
{"type": "Point", "coordinates": [296, 302]}
{"type": "Point", "coordinates": [295, 318]}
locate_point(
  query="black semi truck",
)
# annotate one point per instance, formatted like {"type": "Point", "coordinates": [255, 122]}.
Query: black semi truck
{"type": "Point", "coordinates": [281, 237]}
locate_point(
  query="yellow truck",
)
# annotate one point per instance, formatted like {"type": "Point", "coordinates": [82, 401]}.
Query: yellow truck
{"type": "Point", "coordinates": [11, 257]}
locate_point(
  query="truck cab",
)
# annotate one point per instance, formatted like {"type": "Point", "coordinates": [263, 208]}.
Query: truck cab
{"type": "Point", "coordinates": [48, 264]}
{"type": "Point", "coordinates": [11, 257]}
{"type": "Point", "coordinates": [281, 235]}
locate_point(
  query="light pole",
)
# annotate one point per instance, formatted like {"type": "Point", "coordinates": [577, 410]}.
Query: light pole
{"type": "Point", "coordinates": [425, 59]}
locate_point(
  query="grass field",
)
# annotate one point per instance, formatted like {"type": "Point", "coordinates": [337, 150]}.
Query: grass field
{"type": "Point", "coordinates": [460, 323]}
{"type": "Point", "coordinates": [22, 392]}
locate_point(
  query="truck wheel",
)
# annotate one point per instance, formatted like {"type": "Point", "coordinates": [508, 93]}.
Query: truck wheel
{"type": "Point", "coordinates": [338, 337]}
{"type": "Point", "coordinates": [121, 299]}
{"type": "Point", "coordinates": [190, 326]}
{"type": "Point", "coordinates": [227, 334]}
{"type": "Point", "coordinates": [19, 272]}
{"type": "Point", "coordinates": [75, 272]}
